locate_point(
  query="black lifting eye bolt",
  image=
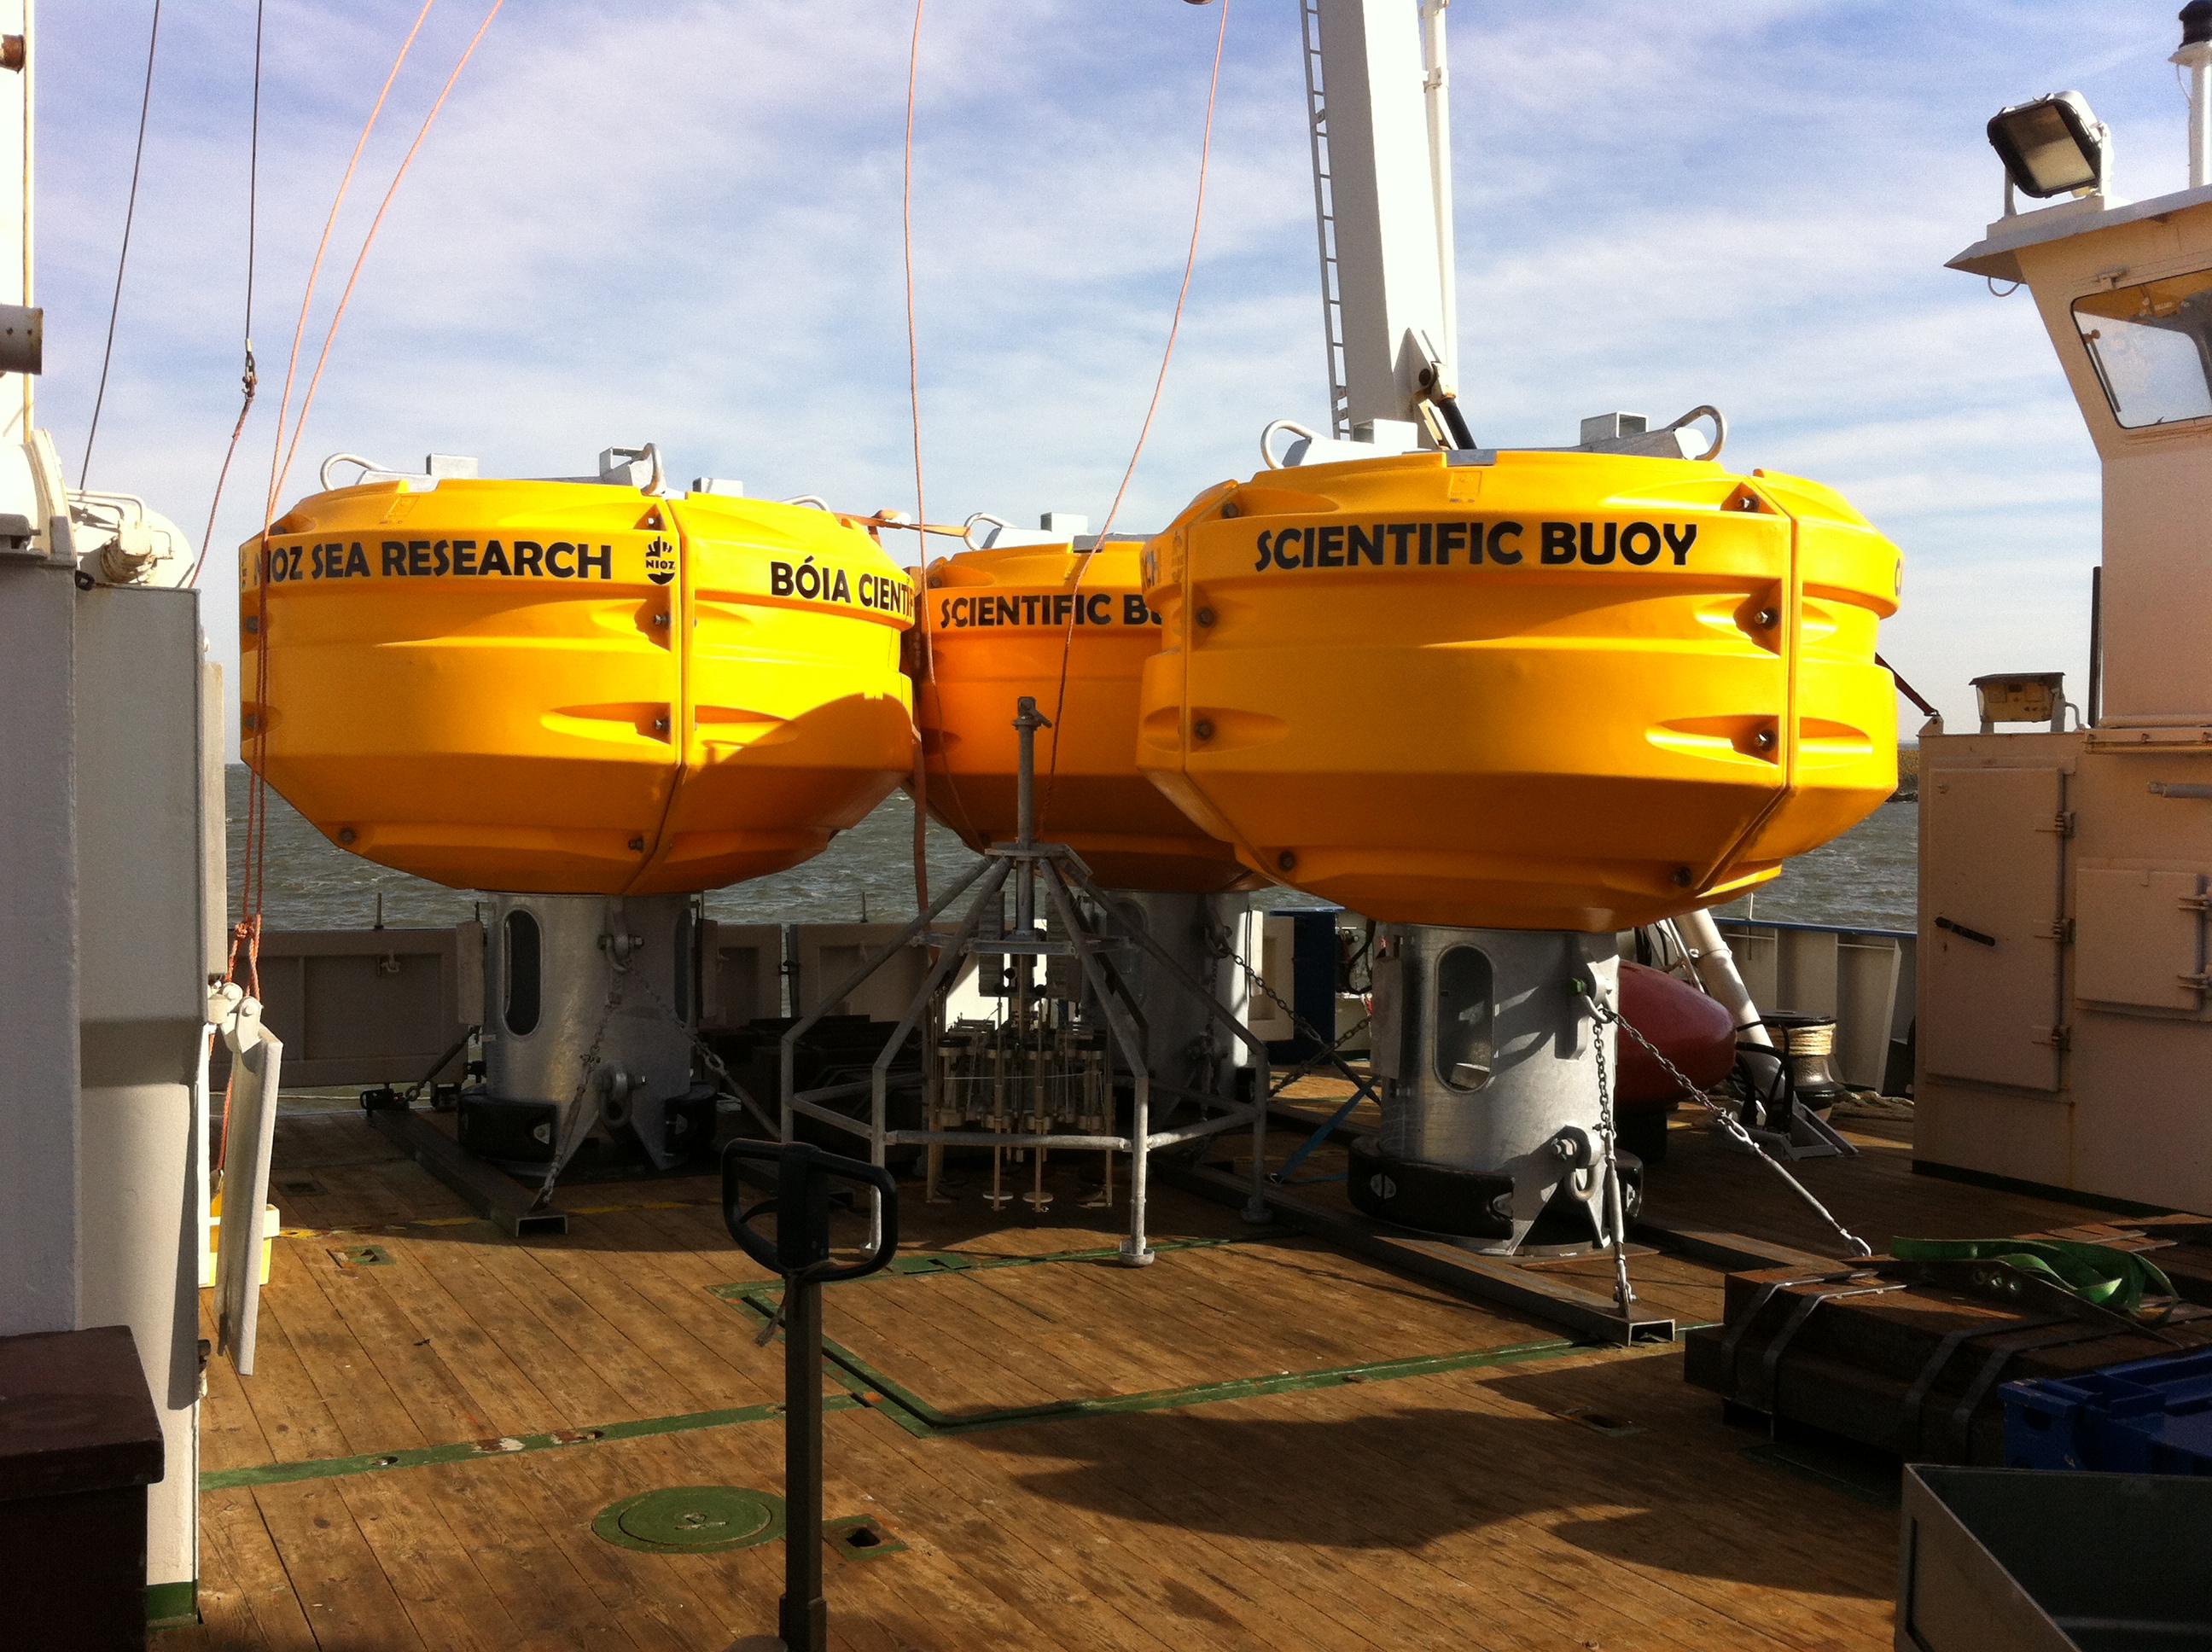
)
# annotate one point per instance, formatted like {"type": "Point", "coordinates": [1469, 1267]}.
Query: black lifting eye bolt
{"type": "Point", "coordinates": [799, 1251]}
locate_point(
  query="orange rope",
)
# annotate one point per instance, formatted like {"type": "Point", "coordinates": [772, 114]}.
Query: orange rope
{"type": "Point", "coordinates": [376, 223]}
{"type": "Point", "coordinates": [926, 679]}
{"type": "Point", "coordinates": [1175, 327]}
{"type": "Point", "coordinates": [256, 802]}
{"type": "Point", "coordinates": [921, 511]}
{"type": "Point", "coordinates": [314, 270]}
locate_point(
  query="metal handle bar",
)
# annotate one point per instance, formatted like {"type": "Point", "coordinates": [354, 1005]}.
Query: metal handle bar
{"type": "Point", "coordinates": [800, 1249]}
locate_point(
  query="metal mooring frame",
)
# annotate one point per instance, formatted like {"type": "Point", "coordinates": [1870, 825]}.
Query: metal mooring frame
{"type": "Point", "coordinates": [1062, 875]}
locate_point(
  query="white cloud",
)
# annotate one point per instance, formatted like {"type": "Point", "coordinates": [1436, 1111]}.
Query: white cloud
{"type": "Point", "coordinates": [682, 223]}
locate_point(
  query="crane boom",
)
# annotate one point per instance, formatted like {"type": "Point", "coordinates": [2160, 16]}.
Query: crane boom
{"type": "Point", "coordinates": [1383, 192]}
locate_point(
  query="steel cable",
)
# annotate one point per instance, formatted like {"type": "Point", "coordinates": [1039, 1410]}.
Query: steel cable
{"type": "Point", "coordinates": [1159, 383]}
{"type": "Point", "coordinates": [123, 258]}
{"type": "Point", "coordinates": [249, 380]}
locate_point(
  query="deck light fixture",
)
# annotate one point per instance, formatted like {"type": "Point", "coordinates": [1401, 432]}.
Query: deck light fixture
{"type": "Point", "coordinates": [2052, 146]}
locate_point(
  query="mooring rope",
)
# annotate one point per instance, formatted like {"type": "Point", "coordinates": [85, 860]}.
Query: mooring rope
{"type": "Point", "coordinates": [1159, 383]}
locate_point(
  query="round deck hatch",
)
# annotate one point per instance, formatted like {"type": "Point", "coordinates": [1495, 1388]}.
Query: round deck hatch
{"type": "Point", "coordinates": [693, 1520]}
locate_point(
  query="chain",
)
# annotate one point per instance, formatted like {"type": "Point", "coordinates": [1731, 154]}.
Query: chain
{"type": "Point", "coordinates": [1614, 1202]}
{"type": "Point", "coordinates": [1328, 1049]}
{"type": "Point", "coordinates": [572, 1137]}
{"type": "Point", "coordinates": [1727, 1121]}
{"type": "Point", "coordinates": [730, 1086]}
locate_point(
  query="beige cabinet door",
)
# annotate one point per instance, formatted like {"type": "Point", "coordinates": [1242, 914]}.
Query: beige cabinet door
{"type": "Point", "coordinates": [2137, 944]}
{"type": "Point", "coordinates": [1990, 903]}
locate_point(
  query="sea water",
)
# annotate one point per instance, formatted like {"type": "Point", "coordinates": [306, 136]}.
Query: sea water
{"type": "Point", "coordinates": [1869, 877]}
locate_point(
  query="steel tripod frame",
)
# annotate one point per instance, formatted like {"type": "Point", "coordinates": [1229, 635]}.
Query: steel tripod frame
{"type": "Point", "coordinates": [1256, 1208]}
{"type": "Point", "coordinates": [1125, 1020]}
{"type": "Point", "coordinates": [992, 876]}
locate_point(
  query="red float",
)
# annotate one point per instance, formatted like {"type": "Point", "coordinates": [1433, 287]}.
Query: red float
{"type": "Point", "coordinates": [1694, 1032]}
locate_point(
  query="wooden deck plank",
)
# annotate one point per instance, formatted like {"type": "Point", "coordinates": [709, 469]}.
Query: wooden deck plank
{"type": "Point", "coordinates": [348, 1377]}
{"type": "Point", "coordinates": [518, 1544]}
{"type": "Point", "coordinates": [1338, 1309]}
{"type": "Point", "coordinates": [1457, 1508]}
{"type": "Point", "coordinates": [564, 1391]}
{"type": "Point", "coordinates": [911, 1337]}
{"type": "Point", "coordinates": [1874, 1193]}
{"type": "Point", "coordinates": [1688, 1290]}
{"type": "Point", "coordinates": [439, 1402]}
{"type": "Point", "coordinates": [671, 1600]}
{"type": "Point", "coordinates": [246, 1598]}
{"type": "Point", "coordinates": [230, 1434]}
{"type": "Point", "coordinates": [1239, 1502]}
{"type": "Point", "coordinates": [1018, 1581]}
{"type": "Point", "coordinates": [287, 1404]}
{"type": "Point", "coordinates": [690, 1335]}
{"type": "Point", "coordinates": [428, 1564]}
{"type": "Point", "coordinates": [644, 1387]}
{"type": "Point", "coordinates": [494, 1378]}
{"type": "Point", "coordinates": [346, 1597]}
{"type": "Point", "coordinates": [1142, 1557]}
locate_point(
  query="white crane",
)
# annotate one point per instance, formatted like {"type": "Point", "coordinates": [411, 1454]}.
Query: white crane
{"type": "Point", "coordinates": [1378, 92]}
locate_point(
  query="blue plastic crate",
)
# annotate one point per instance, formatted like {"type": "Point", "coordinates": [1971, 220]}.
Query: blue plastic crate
{"type": "Point", "coordinates": [2148, 1416]}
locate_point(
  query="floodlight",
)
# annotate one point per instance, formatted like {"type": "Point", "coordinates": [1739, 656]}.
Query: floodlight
{"type": "Point", "coordinates": [2053, 146]}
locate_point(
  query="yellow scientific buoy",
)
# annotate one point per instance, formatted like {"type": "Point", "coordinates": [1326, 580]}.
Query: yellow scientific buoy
{"type": "Point", "coordinates": [1004, 624]}
{"type": "Point", "coordinates": [1550, 691]}
{"type": "Point", "coordinates": [570, 687]}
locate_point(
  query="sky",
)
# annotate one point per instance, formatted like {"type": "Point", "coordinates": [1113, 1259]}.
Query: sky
{"type": "Point", "coordinates": [681, 222]}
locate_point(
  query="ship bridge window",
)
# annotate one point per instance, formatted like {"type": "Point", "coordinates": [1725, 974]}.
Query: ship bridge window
{"type": "Point", "coordinates": [1464, 1018]}
{"type": "Point", "coordinates": [2152, 346]}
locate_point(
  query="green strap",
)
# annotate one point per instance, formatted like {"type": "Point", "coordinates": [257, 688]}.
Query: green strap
{"type": "Point", "coordinates": [2117, 1280]}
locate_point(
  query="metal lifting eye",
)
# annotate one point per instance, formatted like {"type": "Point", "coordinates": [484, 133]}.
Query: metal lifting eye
{"type": "Point", "coordinates": [1720, 429]}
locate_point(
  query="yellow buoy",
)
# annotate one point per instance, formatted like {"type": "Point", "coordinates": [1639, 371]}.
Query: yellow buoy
{"type": "Point", "coordinates": [570, 687]}
{"type": "Point", "coordinates": [1555, 691]}
{"type": "Point", "coordinates": [1007, 623]}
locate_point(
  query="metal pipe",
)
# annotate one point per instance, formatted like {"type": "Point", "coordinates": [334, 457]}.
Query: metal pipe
{"type": "Point", "coordinates": [1717, 971]}
{"type": "Point", "coordinates": [869, 966]}
{"type": "Point", "coordinates": [2196, 55]}
{"type": "Point", "coordinates": [802, 1614]}
{"type": "Point", "coordinates": [2095, 711]}
{"type": "Point", "coordinates": [1135, 1252]}
{"type": "Point", "coordinates": [1002, 1138]}
{"type": "Point", "coordinates": [1435, 81]}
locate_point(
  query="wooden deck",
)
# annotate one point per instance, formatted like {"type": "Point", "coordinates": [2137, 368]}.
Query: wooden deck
{"type": "Point", "coordinates": [1256, 1442]}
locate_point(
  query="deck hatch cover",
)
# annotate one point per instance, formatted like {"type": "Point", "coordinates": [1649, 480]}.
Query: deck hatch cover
{"type": "Point", "coordinates": [693, 1520]}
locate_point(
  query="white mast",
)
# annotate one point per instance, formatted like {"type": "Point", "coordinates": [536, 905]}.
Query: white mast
{"type": "Point", "coordinates": [38, 1142]}
{"type": "Point", "coordinates": [1435, 81]}
{"type": "Point", "coordinates": [1383, 177]}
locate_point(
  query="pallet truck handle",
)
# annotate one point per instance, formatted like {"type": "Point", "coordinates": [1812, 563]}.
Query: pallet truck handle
{"type": "Point", "coordinates": [801, 1248]}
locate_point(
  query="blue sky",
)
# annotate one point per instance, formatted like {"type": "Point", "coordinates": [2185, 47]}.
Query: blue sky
{"type": "Point", "coordinates": [680, 222]}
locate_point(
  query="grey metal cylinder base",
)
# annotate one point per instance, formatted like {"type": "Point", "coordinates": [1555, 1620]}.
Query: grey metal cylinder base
{"type": "Point", "coordinates": [564, 971]}
{"type": "Point", "coordinates": [1187, 1049]}
{"type": "Point", "coordinates": [1489, 1060]}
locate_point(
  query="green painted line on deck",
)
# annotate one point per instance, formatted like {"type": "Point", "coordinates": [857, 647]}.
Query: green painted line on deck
{"type": "Point", "coordinates": [467, 1451]}
{"type": "Point", "coordinates": [937, 1264]}
{"type": "Point", "coordinates": [870, 1389]}
{"type": "Point", "coordinates": [879, 1392]}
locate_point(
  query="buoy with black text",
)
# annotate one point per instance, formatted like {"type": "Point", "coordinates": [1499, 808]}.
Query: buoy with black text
{"type": "Point", "coordinates": [592, 698]}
